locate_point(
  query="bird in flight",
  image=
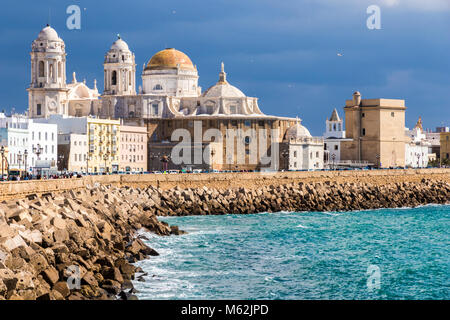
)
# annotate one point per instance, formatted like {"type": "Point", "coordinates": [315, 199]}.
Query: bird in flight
{"type": "Point", "coordinates": [340, 54]}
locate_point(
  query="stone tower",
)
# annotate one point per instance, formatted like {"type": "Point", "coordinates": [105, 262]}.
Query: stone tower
{"type": "Point", "coordinates": [119, 70]}
{"type": "Point", "coordinates": [47, 93]}
{"type": "Point", "coordinates": [377, 130]}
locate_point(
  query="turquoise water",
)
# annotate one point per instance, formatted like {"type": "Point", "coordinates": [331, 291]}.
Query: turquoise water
{"type": "Point", "coordinates": [307, 255]}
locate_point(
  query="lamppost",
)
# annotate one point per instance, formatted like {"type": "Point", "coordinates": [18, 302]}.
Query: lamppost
{"type": "Point", "coordinates": [19, 159]}
{"type": "Point", "coordinates": [2, 152]}
{"type": "Point", "coordinates": [378, 161]}
{"type": "Point", "coordinates": [105, 157]}
{"type": "Point", "coordinates": [285, 155]}
{"type": "Point", "coordinates": [88, 157]}
{"type": "Point", "coordinates": [38, 151]}
{"type": "Point", "coordinates": [25, 159]}
{"type": "Point", "coordinates": [333, 158]}
{"type": "Point", "coordinates": [61, 162]}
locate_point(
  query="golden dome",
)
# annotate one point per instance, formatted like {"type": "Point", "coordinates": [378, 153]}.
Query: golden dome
{"type": "Point", "coordinates": [170, 59]}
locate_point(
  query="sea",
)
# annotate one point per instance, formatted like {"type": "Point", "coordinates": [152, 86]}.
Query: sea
{"type": "Point", "coordinates": [372, 254]}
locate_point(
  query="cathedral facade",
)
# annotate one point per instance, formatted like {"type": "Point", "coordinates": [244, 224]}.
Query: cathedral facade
{"type": "Point", "coordinates": [168, 100]}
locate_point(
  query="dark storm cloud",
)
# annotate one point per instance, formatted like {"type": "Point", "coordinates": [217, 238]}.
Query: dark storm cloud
{"type": "Point", "coordinates": [284, 52]}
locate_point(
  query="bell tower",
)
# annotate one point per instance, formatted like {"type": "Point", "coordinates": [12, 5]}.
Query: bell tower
{"type": "Point", "coordinates": [119, 70]}
{"type": "Point", "coordinates": [47, 93]}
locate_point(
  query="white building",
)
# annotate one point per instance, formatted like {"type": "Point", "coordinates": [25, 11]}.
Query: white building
{"type": "Point", "coordinates": [43, 143]}
{"type": "Point", "coordinates": [19, 133]}
{"type": "Point", "coordinates": [417, 147]}
{"type": "Point", "coordinates": [333, 136]}
{"type": "Point", "coordinates": [301, 151]}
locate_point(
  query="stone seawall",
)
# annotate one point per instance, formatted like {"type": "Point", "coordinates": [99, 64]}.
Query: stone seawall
{"type": "Point", "coordinates": [92, 228]}
{"type": "Point", "coordinates": [18, 189]}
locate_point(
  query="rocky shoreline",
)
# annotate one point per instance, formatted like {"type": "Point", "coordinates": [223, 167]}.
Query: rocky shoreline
{"type": "Point", "coordinates": [43, 237]}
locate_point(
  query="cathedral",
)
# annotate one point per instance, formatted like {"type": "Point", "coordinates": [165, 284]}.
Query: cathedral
{"type": "Point", "coordinates": [168, 99]}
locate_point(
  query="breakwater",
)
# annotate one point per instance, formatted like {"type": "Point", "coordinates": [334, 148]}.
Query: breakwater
{"type": "Point", "coordinates": [92, 229]}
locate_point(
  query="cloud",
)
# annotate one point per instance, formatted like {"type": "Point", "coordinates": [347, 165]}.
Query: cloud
{"type": "Point", "coordinates": [416, 5]}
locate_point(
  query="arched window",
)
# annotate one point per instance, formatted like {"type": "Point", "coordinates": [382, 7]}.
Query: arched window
{"type": "Point", "coordinates": [114, 78]}
{"type": "Point", "coordinates": [41, 69]}
{"type": "Point", "coordinates": [157, 87]}
{"type": "Point", "coordinates": [59, 70]}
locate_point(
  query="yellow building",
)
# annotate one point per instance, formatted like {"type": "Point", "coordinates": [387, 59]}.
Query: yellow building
{"type": "Point", "coordinates": [377, 130]}
{"type": "Point", "coordinates": [103, 145]}
{"type": "Point", "coordinates": [445, 146]}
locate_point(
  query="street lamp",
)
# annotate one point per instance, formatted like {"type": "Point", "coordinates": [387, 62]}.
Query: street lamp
{"type": "Point", "coordinates": [333, 158]}
{"type": "Point", "coordinates": [25, 159]}
{"type": "Point", "coordinates": [378, 161]}
{"type": "Point", "coordinates": [105, 157]}
{"type": "Point", "coordinates": [418, 160]}
{"type": "Point", "coordinates": [61, 162]}
{"type": "Point", "coordinates": [38, 151]}
{"type": "Point", "coordinates": [2, 152]}
{"type": "Point", "coordinates": [285, 155]}
{"type": "Point", "coordinates": [19, 159]}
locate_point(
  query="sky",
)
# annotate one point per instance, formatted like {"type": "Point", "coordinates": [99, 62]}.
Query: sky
{"type": "Point", "coordinates": [283, 52]}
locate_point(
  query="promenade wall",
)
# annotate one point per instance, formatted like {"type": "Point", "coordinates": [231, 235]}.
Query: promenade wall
{"type": "Point", "coordinates": [250, 180]}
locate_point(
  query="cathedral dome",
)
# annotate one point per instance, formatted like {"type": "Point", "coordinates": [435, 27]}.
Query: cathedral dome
{"type": "Point", "coordinates": [223, 88]}
{"type": "Point", "coordinates": [48, 33]}
{"type": "Point", "coordinates": [297, 131]}
{"type": "Point", "coordinates": [170, 59]}
{"type": "Point", "coordinates": [120, 45]}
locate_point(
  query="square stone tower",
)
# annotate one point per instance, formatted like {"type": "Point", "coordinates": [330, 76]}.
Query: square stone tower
{"type": "Point", "coordinates": [377, 130]}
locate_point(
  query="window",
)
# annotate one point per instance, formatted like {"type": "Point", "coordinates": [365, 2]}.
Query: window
{"type": "Point", "coordinates": [234, 123]}
{"type": "Point", "coordinates": [155, 109]}
{"type": "Point", "coordinates": [363, 115]}
{"type": "Point", "coordinates": [317, 154]}
{"type": "Point", "coordinates": [392, 114]}
{"type": "Point", "coordinates": [261, 123]}
{"type": "Point", "coordinates": [38, 109]}
{"type": "Point", "coordinates": [364, 131]}
{"type": "Point", "coordinates": [41, 69]}
{"type": "Point", "coordinates": [53, 136]}
{"type": "Point", "coordinates": [46, 136]}
{"type": "Point", "coordinates": [295, 155]}
{"type": "Point", "coordinates": [247, 140]}
{"type": "Point", "coordinates": [336, 147]}
{"type": "Point", "coordinates": [158, 87]}
{"type": "Point", "coordinates": [114, 78]}
{"type": "Point", "coordinates": [247, 123]}
{"type": "Point", "coordinates": [232, 109]}
{"type": "Point", "coordinates": [325, 146]}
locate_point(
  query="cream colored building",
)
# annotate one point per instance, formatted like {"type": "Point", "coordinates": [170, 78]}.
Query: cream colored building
{"type": "Point", "coordinates": [133, 149]}
{"type": "Point", "coordinates": [72, 152]}
{"type": "Point", "coordinates": [104, 147]}
{"type": "Point", "coordinates": [102, 140]}
{"type": "Point", "coordinates": [377, 130]}
{"type": "Point", "coordinates": [445, 146]}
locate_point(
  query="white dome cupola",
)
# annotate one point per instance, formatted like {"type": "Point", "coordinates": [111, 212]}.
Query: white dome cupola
{"type": "Point", "coordinates": [119, 70]}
